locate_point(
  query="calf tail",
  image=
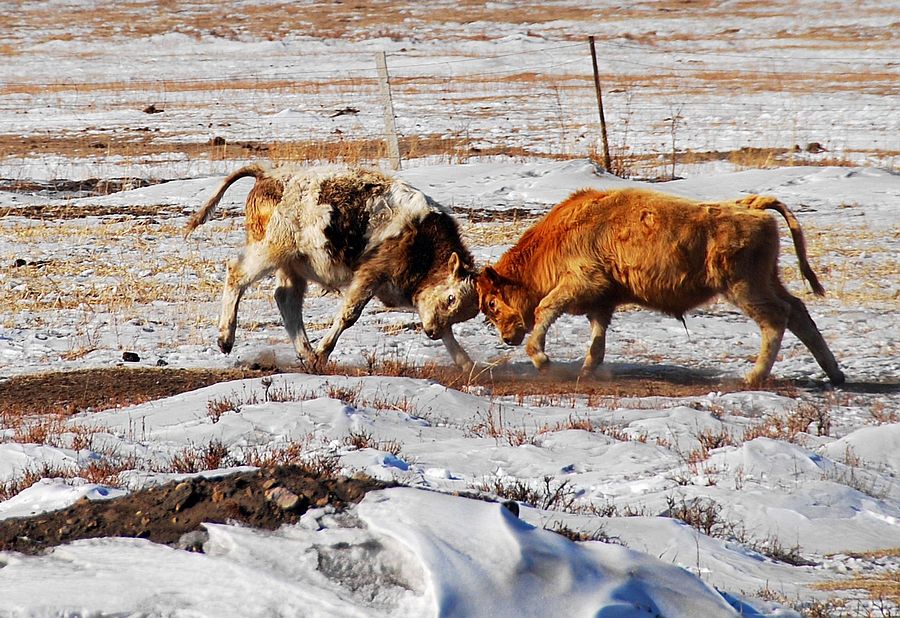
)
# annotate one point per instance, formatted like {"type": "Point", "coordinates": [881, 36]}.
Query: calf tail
{"type": "Point", "coordinates": [764, 202]}
{"type": "Point", "coordinates": [202, 216]}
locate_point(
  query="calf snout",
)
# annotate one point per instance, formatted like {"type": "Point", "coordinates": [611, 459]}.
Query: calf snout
{"type": "Point", "coordinates": [513, 338]}
{"type": "Point", "coordinates": [432, 333]}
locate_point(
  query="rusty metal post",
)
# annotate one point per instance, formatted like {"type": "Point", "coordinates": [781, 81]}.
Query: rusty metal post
{"type": "Point", "coordinates": [606, 161]}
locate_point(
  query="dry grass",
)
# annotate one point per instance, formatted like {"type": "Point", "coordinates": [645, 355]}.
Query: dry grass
{"type": "Point", "coordinates": [487, 234]}
{"type": "Point", "coordinates": [96, 278]}
{"type": "Point", "coordinates": [357, 21]}
{"type": "Point", "coordinates": [334, 19]}
{"type": "Point", "coordinates": [164, 87]}
{"type": "Point", "coordinates": [548, 494]}
{"type": "Point", "coordinates": [878, 553]}
{"type": "Point", "coordinates": [882, 586]}
{"type": "Point", "coordinates": [105, 470]}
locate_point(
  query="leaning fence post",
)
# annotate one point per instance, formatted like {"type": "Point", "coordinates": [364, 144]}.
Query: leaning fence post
{"type": "Point", "coordinates": [393, 145]}
{"type": "Point", "coordinates": [606, 162]}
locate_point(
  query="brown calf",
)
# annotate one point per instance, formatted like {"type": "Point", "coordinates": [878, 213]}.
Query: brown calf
{"type": "Point", "coordinates": [600, 249]}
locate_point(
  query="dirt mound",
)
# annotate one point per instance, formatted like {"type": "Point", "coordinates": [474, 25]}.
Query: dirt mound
{"type": "Point", "coordinates": [68, 392]}
{"type": "Point", "coordinates": [165, 514]}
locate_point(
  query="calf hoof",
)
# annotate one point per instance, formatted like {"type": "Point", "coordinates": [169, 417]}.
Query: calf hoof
{"type": "Point", "coordinates": [467, 368]}
{"type": "Point", "coordinates": [540, 361]}
{"type": "Point", "coordinates": [225, 346]}
{"type": "Point", "coordinates": [307, 359]}
{"type": "Point", "coordinates": [754, 380]}
{"type": "Point", "coordinates": [318, 363]}
{"type": "Point", "coordinates": [838, 378]}
{"type": "Point", "coordinates": [311, 363]}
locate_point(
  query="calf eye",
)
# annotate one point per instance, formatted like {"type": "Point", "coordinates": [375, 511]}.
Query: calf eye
{"type": "Point", "coordinates": [492, 305]}
{"type": "Point", "coordinates": [451, 299]}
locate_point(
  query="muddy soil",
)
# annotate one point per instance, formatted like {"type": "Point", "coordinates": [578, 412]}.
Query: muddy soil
{"type": "Point", "coordinates": [68, 392]}
{"type": "Point", "coordinates": [263, 499]}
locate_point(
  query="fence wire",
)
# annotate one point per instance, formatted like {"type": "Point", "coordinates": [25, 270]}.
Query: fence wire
{"type": "Point", "coordinates": [662, 105]}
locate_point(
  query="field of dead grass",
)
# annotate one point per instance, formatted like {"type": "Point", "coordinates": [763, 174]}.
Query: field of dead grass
{"type": "Point", "coordinates": [476, 96]}
{"type": "Point", "coordinates": [336, 19]}
{"type": "Point", "coordinates": [94, 277]}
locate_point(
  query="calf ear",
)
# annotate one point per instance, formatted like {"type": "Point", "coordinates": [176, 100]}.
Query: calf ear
{"type": "Point", "coordinates": [455, 265]}
{"type": "Point", "coordinates": [492, 275]}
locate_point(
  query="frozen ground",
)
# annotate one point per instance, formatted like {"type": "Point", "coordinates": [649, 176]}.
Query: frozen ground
{"type": "Point", "coordinates": [810, 474]}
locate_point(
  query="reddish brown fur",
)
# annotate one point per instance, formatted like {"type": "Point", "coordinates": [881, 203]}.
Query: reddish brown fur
{"type": "Point", "coordinates": [261, 201]}
{"type": "Point", "coordinates": [598, 250]}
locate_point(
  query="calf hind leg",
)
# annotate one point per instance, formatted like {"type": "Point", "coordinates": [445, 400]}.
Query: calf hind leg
{"type": "Point", "coordinates": [771, 314]}
{"type": "Point", "coordinates": [250, 266]}
{"type": "Point", "coordinates": [289, 297]}
{"type": "Point", "coordinates": [597, 350]}
{"type": "Point", "coordinates": [801, 324]}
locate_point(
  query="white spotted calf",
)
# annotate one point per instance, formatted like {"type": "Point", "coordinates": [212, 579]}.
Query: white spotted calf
{"type": "Point", "coordinates": [354, 230]}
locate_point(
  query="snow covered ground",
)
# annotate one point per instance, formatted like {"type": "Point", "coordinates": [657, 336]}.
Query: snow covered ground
{"type": "Point", "coordinates": [827, 495]}
{"type": "Point", "coordinates": [813, 474]}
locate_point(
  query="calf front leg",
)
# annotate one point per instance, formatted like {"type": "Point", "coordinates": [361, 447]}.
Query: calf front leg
{"type": "Point", "coordinates": [356, 297]}
{"type": "Point", "coordinates": [456, 351]}
{"type": "Point", "coordinates": [289, 297]}
{"type": "Point", "coordinates": [250, 266]}
{"type": "Point", "coordinates": [551, 307]}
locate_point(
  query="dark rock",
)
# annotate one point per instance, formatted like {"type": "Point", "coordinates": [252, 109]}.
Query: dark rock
{"type": "Point", "coordinates": [193, 541]}
{"type": "Point", "coordinates": [512, 506]}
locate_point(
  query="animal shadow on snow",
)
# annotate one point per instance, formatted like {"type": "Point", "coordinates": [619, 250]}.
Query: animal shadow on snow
{"type": "Point", "coordinates": [611, 372]}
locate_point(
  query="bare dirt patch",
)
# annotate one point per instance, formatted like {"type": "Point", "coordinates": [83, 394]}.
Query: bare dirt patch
{"type": "Point", "coordinates": [98, 389]}
{"type": "Point", "coordinates": [265, 499]}
{"type": "Point", "coordinates": [71, 392]}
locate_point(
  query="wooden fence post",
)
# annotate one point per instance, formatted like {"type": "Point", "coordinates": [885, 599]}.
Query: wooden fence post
{"type": "Point", "coordinates": [606, 161]}
{"type": "Point", "coordinates": [393, 145]}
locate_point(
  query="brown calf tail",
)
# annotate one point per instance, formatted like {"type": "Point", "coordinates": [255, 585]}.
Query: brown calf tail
{"type": "Point", "coordinates": [764, 202]}
{"type": "Point", "coordinates": [206, 211]}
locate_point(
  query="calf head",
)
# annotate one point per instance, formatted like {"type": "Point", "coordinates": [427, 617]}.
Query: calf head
{"type": "Point", "coordinates": [496, 298]}
{"type": "Point", "coordinates": [450, 300]}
